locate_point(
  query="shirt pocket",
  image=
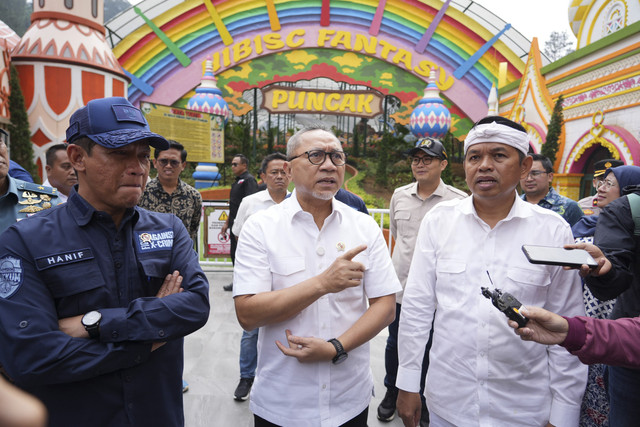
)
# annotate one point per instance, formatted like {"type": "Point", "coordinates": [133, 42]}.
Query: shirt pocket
{"type": "Point", "coordinates": [403, 222]}
{"type": "Point", "coordinates": [355, 293]}
{"type": "Point", "coordinates": [286, 271]}
{"type": "Point", "coordinates": [450, 282]}
{"type": "Point", "coordinates": [76, 288]}
{"type": "Point", "coordinates": [528, 286]}
{"type": "Point", "coordinates": [152, 273]}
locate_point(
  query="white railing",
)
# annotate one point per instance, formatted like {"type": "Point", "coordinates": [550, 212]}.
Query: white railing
{"type": "Point", "coordinates": [382, 218]}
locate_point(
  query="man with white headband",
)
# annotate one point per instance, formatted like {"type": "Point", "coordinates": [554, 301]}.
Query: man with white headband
{"type": "Point", "coordinates": [478, 374]}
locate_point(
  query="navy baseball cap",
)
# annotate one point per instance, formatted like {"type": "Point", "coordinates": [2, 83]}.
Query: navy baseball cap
{"type": "Point", "coordinates": [112, 123]}
{"type": "Point", "coordinates": [431, 146]}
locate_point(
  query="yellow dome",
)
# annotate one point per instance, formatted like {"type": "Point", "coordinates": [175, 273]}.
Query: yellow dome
{"type": "Point", "coordinates": [577, 12]}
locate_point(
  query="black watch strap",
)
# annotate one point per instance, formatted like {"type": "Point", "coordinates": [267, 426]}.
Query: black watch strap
{"type": "Point", "coordinates": [341, 355]}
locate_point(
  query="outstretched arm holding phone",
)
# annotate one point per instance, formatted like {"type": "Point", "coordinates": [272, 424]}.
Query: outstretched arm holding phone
{"type": "Point", "coordinates": [612, 342]}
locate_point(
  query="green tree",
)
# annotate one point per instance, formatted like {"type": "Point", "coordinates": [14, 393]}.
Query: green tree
{"type": "Point", "coordinates": [550, 147]}
{"type": "Point", "coordinates": [355, 151]}
{"type": "Point", "coordinates": [21, 148]}
{"type": "Point", "coordinates": [382, 176]}
{"type": "Point", "coordinates": [16, 14]}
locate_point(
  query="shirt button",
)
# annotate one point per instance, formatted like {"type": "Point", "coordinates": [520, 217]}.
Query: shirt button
{"type": "Point", "coordinates": [482, 354]}
{"type": "Point", "coordinates": [118, 264]}
{"type": "Point", "coordinates": [320, 250]}
{"type": "Point", "coordinates": [23, 324]}
{"type": "Point", "coordinates": [114, 334]}
{"type": "Point", "coordinates": [324, 386]}
{"type": "Point", "coordinates": [138, 359]}
{"type": "Point", "coordinates": [161, 332]}
{"type": "Point", "coordinates": [127, 378]}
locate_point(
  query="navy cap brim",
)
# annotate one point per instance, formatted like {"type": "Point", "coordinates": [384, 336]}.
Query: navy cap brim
{"type": "Point", "coordinates": [122, 137]}
{"type": "Point", "coordinates": [414, 150]}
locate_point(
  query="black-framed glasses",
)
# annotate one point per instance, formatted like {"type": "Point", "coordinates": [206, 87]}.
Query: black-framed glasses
{"type": "Point", "coordinates": [535, 174]}
{"type": "Point", "coordinates": [165, 162]}
{"type": "Point", "coordinates": [317, 157]}
{"type": "Point", "coordinates": [426, 160]}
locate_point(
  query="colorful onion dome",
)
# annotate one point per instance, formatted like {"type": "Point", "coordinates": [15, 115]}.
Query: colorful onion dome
{"type": "Point", "coordinates": [431, 118]}
{"type": "Point", "coordinates": [208, 98]}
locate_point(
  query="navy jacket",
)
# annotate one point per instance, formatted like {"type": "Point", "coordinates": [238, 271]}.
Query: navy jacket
{"type": "Point", "coordinates": [70, 260]}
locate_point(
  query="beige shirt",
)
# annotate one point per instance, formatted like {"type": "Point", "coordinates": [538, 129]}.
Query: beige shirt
{"type": "Point", "coordinates": [406, 211]}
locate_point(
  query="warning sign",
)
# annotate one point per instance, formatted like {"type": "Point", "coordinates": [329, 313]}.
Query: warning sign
{"type": "Point", "coordinates": [216, 243]}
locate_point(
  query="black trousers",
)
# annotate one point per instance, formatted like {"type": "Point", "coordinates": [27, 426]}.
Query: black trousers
{"type": "Point", "coordinates": [358, 421]}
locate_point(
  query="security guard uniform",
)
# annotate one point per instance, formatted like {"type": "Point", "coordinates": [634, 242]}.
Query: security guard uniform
{"type": "Point", "coordinates": [24, 199]}
{"type": "Point", "coordinates": [71, 260]}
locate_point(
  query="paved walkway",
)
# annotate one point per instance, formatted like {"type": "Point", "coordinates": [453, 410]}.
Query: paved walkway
{"type": "Point", "coordinates": [211, 366]}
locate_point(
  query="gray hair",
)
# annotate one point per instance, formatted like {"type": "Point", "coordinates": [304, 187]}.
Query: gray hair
{"type": "Point", "coordinates": [295, 140]}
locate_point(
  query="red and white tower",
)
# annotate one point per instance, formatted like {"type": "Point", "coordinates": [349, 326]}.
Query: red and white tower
{"type": "Point", "coordinates": [63, 62]}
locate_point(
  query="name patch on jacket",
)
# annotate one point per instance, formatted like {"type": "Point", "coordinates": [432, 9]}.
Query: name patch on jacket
{"type": "Point", "coordinates": [11, 276]}
{"type": "Point", "coordinates": [70, 257]}
{"type": "Point", "coordinates": [156, 241]}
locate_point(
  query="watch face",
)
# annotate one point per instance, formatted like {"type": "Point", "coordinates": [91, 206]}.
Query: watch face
{"type": "Point", "coordinates": [91, 318]}
{"type": "Point", "coordinates": [340, 358]}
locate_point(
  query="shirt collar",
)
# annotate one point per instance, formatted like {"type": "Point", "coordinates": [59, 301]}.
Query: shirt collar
{"type": "Point", "coordinates": [439, 191]}
{"type": "Point", "coordinates": [83, 212]}
{"type": "Point", "coordinates": [12, 188]}
{"type": "Point", "coordinates": [519, 209]}
{"type": "Point", "coordinates": [293, 208]}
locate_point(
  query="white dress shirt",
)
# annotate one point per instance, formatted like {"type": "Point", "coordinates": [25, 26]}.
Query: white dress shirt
{"type": "Point", "coordinates": [249, 205]}
{"type": "Point", "coordinates": [406, 211]}
{"type": "Point", "coordinates": [480, 372]}
{"type": "Point", "coordinates": [280, 247]}
{"type": "Point", "coordinates": [62, 197]}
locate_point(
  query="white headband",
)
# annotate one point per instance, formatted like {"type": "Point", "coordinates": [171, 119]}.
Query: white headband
{"type": "Point", "coordinates": [495, 132]}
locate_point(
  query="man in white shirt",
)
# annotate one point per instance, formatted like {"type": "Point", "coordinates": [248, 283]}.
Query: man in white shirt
{"type": "Point", "coordinates": [408, 206]}
{"type": "Point", "coordinates": [277, 181]}
{"type": "Point", "coordinates": [316, 275]}
{"type": "Point", "coordinates": [478, 374]}
{"type": "Point", "coordinates": [60, 173]}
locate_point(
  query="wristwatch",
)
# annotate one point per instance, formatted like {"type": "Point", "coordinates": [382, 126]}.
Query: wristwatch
{"type": "Point", "coordinates": [341, 355]}
{"type": "Point", "coordinates": [91, 323]}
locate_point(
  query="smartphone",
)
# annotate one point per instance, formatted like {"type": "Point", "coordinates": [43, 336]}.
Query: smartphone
{"type": "Point", "coordinates": [558, 256]}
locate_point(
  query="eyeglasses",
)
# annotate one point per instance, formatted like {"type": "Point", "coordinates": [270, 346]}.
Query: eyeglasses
{"type": "Point", "coordinates": [426, 160]}
{"type": "Point", "coordinates": [317, 157]}
{"type": "Point", "coordinates": [234, 164]}
{"type": "Point", "coordinates": [606, 184]}
{"type": "Point", "coordinates": [165, 162]}
{"type": "Point", "coordinates": [535, 174]}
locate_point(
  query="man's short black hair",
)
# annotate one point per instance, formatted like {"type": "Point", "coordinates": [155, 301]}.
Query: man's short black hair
{"type": "Point", "coordinates": [86, 143]}
{"type": "Point", "coordinates": [269, 158]}
{"type": "Point", "coordinates": [243, 159]}
{"type": "Point", "coordinates": [51, 153]}
{"type": "Point", "coordinates": [176, 146]}
{"type": "Point", "coordinates": [544, 160]}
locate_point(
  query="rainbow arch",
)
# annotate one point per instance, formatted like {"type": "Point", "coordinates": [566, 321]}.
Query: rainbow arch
{"type": "Point", "coordinates": [165, 62]}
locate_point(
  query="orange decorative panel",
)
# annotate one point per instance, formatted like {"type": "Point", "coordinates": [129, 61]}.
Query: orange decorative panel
{"type": "Point", "coordinates": [57, 87]}
{"type": "Point", "coordinates": [25, 75]}
{"type": "Point", "coordinates": [92, 86]}
{"type": "Point", "coordinates": [118, 88]}
{"type": "Point", "coordinates": [39, 138]}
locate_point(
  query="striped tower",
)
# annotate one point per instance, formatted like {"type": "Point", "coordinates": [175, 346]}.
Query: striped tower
{"type": "Point", "coordinates": [64, 61]}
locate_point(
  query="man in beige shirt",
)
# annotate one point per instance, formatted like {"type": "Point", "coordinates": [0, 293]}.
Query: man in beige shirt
{"type": "Point", "coordinates": [409, 204]}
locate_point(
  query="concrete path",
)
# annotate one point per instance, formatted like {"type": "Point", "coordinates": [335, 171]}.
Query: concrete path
{"type": "Point", "coordinates": [211, 367]}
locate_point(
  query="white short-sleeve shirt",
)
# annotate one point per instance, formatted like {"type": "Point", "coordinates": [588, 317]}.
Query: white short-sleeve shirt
{"type": "Point", "coordinates": [279, 248]}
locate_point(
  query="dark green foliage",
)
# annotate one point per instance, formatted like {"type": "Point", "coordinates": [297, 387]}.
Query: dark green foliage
{"type": "Point", "coordinates": [550, 147]}
{"type": "Point", "coordinates": [382, 177]}
{"type": "Point", "coordinates": [21, 148]}
{"type": "Point", "coordinates": [16, 14]}
{"type": "Point", "coordinates": [355, 150]}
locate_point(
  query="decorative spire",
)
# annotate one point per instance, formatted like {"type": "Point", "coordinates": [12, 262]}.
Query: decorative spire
{"type": "Point", "coordinates": [431, 118]}
{"type": "Point", "coordinates": [208, 97]}
{"type": "Point", "coordinates": [492, 101]}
